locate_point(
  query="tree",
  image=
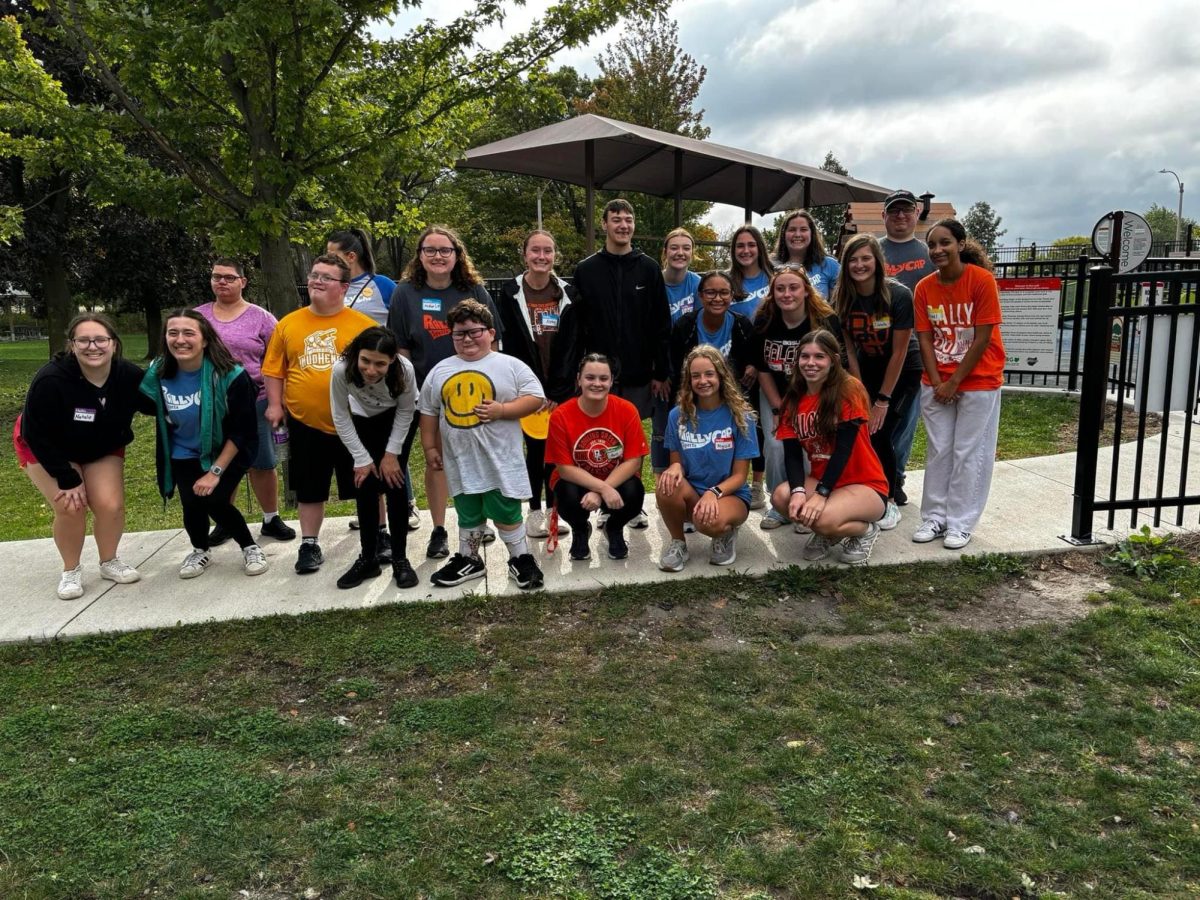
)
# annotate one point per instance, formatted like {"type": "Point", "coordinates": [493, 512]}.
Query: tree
{"type": "Point", "coordinates": [1071, 241]}
{"type": "Point", "coordinates": [1162, 223]}
{"type": "Point", "coordinates": [830, 218]}
{"type": "Point", "coordinates": [982, 223]}
{"type": "Point", "coordinates": [273, 112]}
{"type": "Point", "coordinates": [647, 79]}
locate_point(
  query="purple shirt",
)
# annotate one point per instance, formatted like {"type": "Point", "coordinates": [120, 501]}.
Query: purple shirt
{"type": "Point", "coordinates": [246, 337]}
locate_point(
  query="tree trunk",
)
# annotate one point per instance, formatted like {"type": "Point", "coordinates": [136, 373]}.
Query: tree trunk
{"type": "Point", "coordinates": [279, 279]}
{"type": "Point", "coordinates": [154, 324]}
{"type": "Point", "coordinates": [60, 309]}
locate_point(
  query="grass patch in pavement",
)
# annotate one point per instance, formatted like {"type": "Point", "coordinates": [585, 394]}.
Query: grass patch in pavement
{"type": "Point", "coordinates": [728, 737]}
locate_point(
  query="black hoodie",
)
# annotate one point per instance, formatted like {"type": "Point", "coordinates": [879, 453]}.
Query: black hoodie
{"type": "Point", "coordinates": [624, 313]}
{"type": "Point", "coordinates": [67, 419]}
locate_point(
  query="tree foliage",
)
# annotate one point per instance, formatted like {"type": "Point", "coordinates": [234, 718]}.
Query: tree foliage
{"type": "Point", "coordinates": [282, 114]}
{"type": "Point", "coordinates": [1162, 223]}
{"type": "Point", "coordinates": [983, 224]}
{"type": "Point", "coordinates": [830, 218]}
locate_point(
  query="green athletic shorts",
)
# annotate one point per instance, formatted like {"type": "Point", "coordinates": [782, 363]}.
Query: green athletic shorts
{"type": "Point", "coordinates": [475, 509]}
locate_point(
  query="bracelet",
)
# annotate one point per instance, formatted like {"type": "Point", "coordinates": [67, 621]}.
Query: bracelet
{"type": "Point", "coordinates": [883, 405]}
{"type": "Point", "coordinates": [798, 490]}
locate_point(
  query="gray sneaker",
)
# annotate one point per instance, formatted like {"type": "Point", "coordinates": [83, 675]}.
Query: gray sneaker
{"type": "Point", "coordinates": [724, 548]}
{"type": "Point", "coordinates": [891, 516]}
{"type": "Point", "coordinates": [195, 563]}
{"type": "Point", "coordinates": [674, 557]}
{"type": "Point", "coordinates": [857, 550]}
{"type": "Point", "coordinates": [817, 547]}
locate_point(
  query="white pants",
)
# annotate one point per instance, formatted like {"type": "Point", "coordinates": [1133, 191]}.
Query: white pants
{"type": "Point", "coordinates": [959, 457]}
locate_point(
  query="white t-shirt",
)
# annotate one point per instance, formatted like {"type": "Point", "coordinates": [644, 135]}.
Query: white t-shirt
{"type": "Point", "coordinates": [347, 399]}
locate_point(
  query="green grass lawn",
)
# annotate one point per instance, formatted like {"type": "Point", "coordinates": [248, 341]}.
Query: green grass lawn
{"type": "Point", "coordinates": [1030, 425]}
{"type": "Point", "coordinates": [697, 739]}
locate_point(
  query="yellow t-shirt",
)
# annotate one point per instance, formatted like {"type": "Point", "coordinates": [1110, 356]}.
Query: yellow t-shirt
{"type": "Point", "coordinates": [302, 352]}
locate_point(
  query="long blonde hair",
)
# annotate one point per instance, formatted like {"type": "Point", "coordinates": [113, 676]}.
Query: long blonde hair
{"type": "Point", "coordinates": [731, 394]}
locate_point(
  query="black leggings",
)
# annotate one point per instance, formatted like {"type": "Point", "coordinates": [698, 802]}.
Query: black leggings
{"type": "Point", "coordinates": [217, 506]}
{"type": "Point", "coordinates": [908, 387]}
{"type": "Point", "coordinates": [538, 471]}
{"type": "Point", "coordinates": [374, 432]}
{"type": "Point", "coordinates": [569, 496]}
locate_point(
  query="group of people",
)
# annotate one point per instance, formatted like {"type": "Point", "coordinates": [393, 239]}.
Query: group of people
{"type": "Point", "coordinates": [791, 383]}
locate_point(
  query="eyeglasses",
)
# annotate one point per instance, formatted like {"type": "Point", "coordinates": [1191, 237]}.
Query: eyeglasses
{"type": "Point", "coordinates": [467, 333]}
{"type": "Point", "coordinates": [225, 279]}
{"type": "Point", "coordinates": [83, 343]}
{"type": "Point", "coordinates": [900, 211]}
{"type": "Point", "coordinates": [443, 252]}
{"type": "Point", "coordinates": [714, 293]}
{"type": "Point", "coordinates": [322, 278]}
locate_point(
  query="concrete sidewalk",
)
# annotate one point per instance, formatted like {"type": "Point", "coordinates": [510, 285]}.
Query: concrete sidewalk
{"type": "Point", "coordinates": [1028, 512]}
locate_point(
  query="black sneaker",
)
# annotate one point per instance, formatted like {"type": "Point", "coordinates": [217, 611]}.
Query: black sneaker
{"type": "Point", "coordinates": [459, 570]}
{"type": "Point", "coordinates": [277, 529]}
{"type": "Point", "coordinates": [524, 571]}
{"type": "Point", "coordinates": [439, 543]}
{"type": "Point", "coordinates": [309, 559]}
{"type": "Point", "coordinates": [899, 496]}
{"type": "Point", "coordinates": [403, 572]}
{"type": "Point", "coordinates": [383, 549]}
{"type": "Point", "coordinates": [358, 573]}
{"type": "Point", "coordinates": [580, 548]}
{"type": "Point", "coordinates": [217, 536]}
{"type": "Point", "coordinates": [617, 548]}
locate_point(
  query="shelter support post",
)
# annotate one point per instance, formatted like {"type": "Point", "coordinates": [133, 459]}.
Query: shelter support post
{"type": "Point", "coordinates": [749, 194]}
{"type": "Point", "coordinates": [589, 183]}
{"type": "Point", "coordinates": [678, 188]}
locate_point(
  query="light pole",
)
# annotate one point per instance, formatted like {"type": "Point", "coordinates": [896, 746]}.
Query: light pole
{"type": "Point", "coordinates": [1178, 215]}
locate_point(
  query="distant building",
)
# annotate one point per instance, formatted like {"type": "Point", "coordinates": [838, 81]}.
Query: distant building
{"type": "Point", "coordinates": [869, 217]}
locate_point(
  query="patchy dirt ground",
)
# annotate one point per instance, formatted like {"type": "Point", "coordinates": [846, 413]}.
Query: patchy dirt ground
{"type": "Point", "coordinates": [1054, 589]}
{"type": "Point", "coordinates": [1068, 432]}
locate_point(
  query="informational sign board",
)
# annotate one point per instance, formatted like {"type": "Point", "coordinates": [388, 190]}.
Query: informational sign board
{"type": "Point", "coordinates": [1135, 241]}
{"type": "Point", "coordinates": [1030, 330]}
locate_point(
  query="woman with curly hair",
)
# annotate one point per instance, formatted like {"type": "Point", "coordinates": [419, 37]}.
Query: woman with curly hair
{"type": "Point", "coordinates": [800, 242]}
{"type": "Point", "coordinates": [711, 439]}
{"type": "Point", "coordinates": [842, 492]}
{"type": "Point", "coordinates": [958, 327]}
{"type": "Point", "coordinates": [792, 308]}
{"type": "Point", "coordinates": [439, 276]}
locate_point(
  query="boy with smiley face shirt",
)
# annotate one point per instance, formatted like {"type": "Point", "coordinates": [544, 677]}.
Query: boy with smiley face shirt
{"type": "Point", "coordinates": [471, 405]}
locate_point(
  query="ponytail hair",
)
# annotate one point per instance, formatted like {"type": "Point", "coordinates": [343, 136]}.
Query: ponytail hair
{"type": "Point", "coordinates": [355, 240]}
{"type": "Point", "coordinates": [972, 252]}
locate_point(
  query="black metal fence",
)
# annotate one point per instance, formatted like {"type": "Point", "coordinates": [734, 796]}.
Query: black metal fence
{"type": "Point", "coordinates": [1160, 365]}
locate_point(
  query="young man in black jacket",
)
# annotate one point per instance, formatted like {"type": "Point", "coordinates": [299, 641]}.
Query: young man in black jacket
{"type": "Point", "coordinates": [624, 313]}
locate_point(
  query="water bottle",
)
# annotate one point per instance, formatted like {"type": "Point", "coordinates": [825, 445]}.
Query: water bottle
{"type": "Point", "coordinates": [280, 436]}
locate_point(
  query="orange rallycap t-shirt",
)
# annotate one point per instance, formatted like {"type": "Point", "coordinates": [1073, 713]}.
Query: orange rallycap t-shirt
{"type": "Point", "coordinates": [863, 467]}
{"type": "Point", "coordinates": [302, 352]}
{"type": "Point", "coordinates": [951, 312]}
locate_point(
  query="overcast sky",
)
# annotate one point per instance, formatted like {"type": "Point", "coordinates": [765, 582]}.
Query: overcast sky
{"type": "Point", "coordinates": [1053, 111]}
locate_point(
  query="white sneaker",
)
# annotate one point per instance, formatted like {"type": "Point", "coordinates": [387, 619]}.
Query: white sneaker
{"type": "Point", "coordinates": [115, 570]}
{"type": "Point", "coordinates": [535, 524]}
{"type": "Point", "coordinates": [801, 528]}
{"type": "Point", "coordinates": [758, 495]}
{"type": "Point", "coordinates": [602, 518]}
{"type": "Point", "coordinates": [689, 528]}
{"type": "Point", "coordinates": [956, 540]}
{"type": "Point", "coordinates": [254, 561]}
{"type": "Point", "coordinates": [195, 563]}
{"type": "Point", "coordinates": [70, 585]}
{"type": "Point", "coordinates": [674, 557]}
{"type": "Point", "coordinates": [771, 521]}
{"type": "Point", "coordinates": [891, 517]}
{"type": "Point", "coordinates": [414, 519]}
{"type": "Point", "coordinates": [929, 531]}
{"type": "Point", "coordinates": [639, 521]}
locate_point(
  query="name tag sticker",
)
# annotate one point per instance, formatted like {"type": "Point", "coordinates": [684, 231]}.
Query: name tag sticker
{"type": "Point", "coordinates": [881, 323]}
{"type": "Point", "coordinates": [723, 443]}
{"type": "Point", "coordinates": [614, 452]}
{"type": "Point", "coordinates": [433, 305]}
{"type": "Point", "coordinates": [85, 415]}
{"type": "Point", "coordinates": [549, 321]}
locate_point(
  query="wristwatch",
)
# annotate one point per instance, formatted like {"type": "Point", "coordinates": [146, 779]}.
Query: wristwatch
{"type": "Point", "coordinates": [217, 470]}
{"type": "Point", "coordinates": [824, 490]}
{"type": "Point", "coordinates": [716, 489]}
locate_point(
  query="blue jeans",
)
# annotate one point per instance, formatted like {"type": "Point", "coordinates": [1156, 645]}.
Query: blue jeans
{"type": "Point", "coordinates": [902, 437]}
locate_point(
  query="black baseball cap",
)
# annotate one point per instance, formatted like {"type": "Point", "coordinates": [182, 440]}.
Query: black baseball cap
{"type": "Point", "coordinates": [899, 197]}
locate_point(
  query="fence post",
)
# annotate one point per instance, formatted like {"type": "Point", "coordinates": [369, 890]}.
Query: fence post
{"type": "Point", "coordinates": [1091, 403]}
{"type": "Point", "coordinates": [1033, 249]}
{"type": "Point", "coordinates": [1081, 283]}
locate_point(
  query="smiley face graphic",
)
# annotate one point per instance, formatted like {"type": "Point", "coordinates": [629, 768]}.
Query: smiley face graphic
{"type": "Point", "coordinates": [461, 393]}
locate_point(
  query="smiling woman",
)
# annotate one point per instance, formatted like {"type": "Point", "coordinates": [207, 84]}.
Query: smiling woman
{"type": "Point", "coordinates": [207, 434]}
